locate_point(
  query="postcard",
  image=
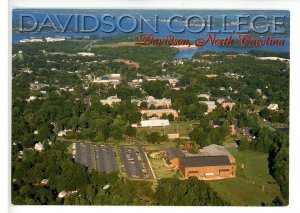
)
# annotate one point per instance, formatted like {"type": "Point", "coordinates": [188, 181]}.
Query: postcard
{"type": "Point", "coordinates": [150, 107]}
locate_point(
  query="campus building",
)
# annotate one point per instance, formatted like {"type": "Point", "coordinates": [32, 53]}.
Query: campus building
{"type": "Point", "coordinates": [226, 103]}
{"type": "Point", "coordinates": [174, 155]}
{"type": "Point", "coordinates": [150, 100]}
{"type": "Point", "coordinates": [155, 122]}
{"type": "Point", "coordinates": [110, 100]}
{"type": "Point", "coordinates": [211, 105]}
{"type": "Point", "coordinates": [159, 112]}
{"type": "Point", "coordinates": [212, 162]}
{"type": "Point", "coordinates": [207, 167]}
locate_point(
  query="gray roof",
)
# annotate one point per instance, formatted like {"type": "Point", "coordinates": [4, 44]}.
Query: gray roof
{"type": "Point", "coordinates": [173, 152]}
{"type": "Point", "coordinates": [206, 161]}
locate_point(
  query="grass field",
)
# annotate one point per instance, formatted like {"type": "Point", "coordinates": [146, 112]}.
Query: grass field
{"type": "Point", "coordinates": [183, 128]}
{"type": "Point", "coordinates": [253, 184]}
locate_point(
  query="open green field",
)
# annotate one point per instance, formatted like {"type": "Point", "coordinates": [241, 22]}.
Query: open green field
{"type": "Point", "coordinates": [183, 128]}
{"type": "Point", "coordinates": [253, 184]}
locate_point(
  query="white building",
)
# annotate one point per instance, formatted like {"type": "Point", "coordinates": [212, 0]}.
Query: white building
{"type": "Point", "coordinates": [54, 39]}
{"type": "Point", "coordinates": [155, 122]}
{"type": "Point", "coordinates": [61, 133]}
{"type": "Point", "coordinates": [273, 107]}
{"type": "Point", "coordinates": [86, 54]}
{"type": "Point", "coordinates": [203, 96]}
{"type": "Point", "coordinates": [62, 194]}
{"type": "Point", "coordinates": [110, 100]}
{"type": "Point", "coordinates": [31, 98]}
{"type": "Point", "coordinates": [39, 146]}
{"type": "Point", "coordinates": [211, 105]}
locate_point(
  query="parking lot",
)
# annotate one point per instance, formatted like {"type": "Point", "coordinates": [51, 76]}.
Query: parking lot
{"type": "Point", "coordinates": [101, 158]}
{"type": "Point", "coordinates": [132, 161]}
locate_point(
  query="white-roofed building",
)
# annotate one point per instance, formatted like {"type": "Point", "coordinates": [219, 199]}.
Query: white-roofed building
{"type": "Point", "coordinates": [273, 107]}
{"type": "Point", "coordinates": [155, 122]}
{"type": "Point", "coordinates": [210, 104]}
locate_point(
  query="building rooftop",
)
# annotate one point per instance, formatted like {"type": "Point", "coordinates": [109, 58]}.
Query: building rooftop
{"type": "Point", "coordinates": [214, 150]}
{"type": "Point", "coordinates": [206, 161]}
{"type": "Point", "coordinates": [173, 152]}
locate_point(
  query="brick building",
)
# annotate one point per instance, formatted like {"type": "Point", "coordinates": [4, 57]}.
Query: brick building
{"type": "Point", "coordinates": [212, 162]}
{"type": "Point", "coordinates": [207, 167]}
{"type": "Point", "coordinates": [174, 155]}
{"type": "Point", "coordinates": [160, 112]}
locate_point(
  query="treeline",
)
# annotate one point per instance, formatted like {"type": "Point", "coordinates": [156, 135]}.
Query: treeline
{"type": "Point", "coordinates": [275, 116]}
{"type": "Point", "coordinates": [190, 192]}
{"type": "Point", "coordinates": [142, 55]}
{"type": "Point", "coordinates": [62, 173]}
{"type": "Point", "coordinates": [265, 53]}
{"type": "Point", "coordinates": [86, 187]}
{"type": "Point", "coordinates": [206, 134]}
{"type": "Point", "coordinates": [276, 144]}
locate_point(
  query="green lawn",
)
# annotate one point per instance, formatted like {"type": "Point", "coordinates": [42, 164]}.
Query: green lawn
{"type": "Point", "coordinates": [253, 184]}
{"type": "Point", "coordinates": [183, 128]}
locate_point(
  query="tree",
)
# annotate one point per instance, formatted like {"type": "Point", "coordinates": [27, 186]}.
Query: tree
{"type": "Point", "coordinates": [130, 131]}
{"type": "Point", "coordinates": [153, 137]}
{"type": "Point", "coordinates": [198, 135]}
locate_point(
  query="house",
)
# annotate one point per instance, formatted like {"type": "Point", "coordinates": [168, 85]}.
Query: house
{"type": "Point", "coordinates": [211, 76]}
{"type": "Point", "coordinates": [207, 167]}
{"type": "Point", "coordinates": [273, 107]}
{"type": "Point", "coordinates": [159, 112]}
{"type": "Point", "coordinates": [61, 133]}
{"type": "Point", "coordinates": [37, 85]}
{"type": "Point", "coordinates": [216, 124]}
{"type": "Point", "coordinates": [174, 155]}
{"type": "Point", "coordinates": [210, 104]}
{"type": "Point", "coordinates": [39, 146]}
{"type": "Point", "coordinates": [44, 182]}
{"type": "Point", "coordinates": [172, 82]}
{"type": "Point", "coordinates": [136, 83]}
{"type": "Point", "coordinates": [203, 96]}
{"type": "Point", "coordinates": [249, 133]}
{"type": "Point", "coordinates": [110, 100]}
{"type": "Point", "coordinates": [31, 98]}
{"type": "Point", "coordinates": [155, 122]}
{"type": "Point", "coordinates": [62, 194]}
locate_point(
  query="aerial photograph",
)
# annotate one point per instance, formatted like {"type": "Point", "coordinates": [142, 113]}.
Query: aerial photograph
{"type": "Point", "coordinates": [150, 107]}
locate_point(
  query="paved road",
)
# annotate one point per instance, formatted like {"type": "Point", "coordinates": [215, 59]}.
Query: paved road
{"type": "Point", "coordinates": [144, 159]}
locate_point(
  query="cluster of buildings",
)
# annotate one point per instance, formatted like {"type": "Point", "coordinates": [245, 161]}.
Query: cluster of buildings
{"type": "Point", "coordinates": [37, 85]}
{"type": "Point", "coordinates": [159, 112]}
{"type": "Point", "coordinates": [212, 162]}
{"type": "Point", "coordinates": [150, 100]}
{"type": "Point", "coordinates": [113, 79]}
{"type": "Point", "coordinates": [47, 39]}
